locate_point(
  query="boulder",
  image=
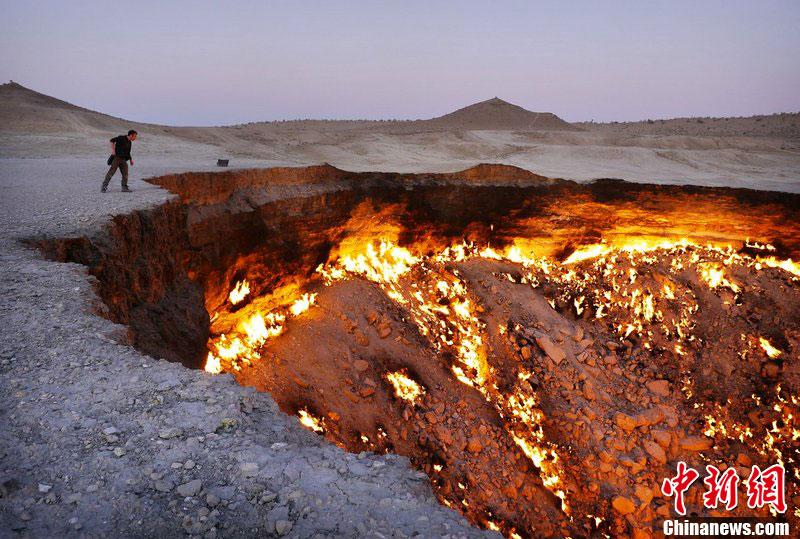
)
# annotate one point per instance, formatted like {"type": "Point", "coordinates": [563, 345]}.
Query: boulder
{"type": "Point", "coordinates": [659, 387]}
{"type": "Point", "coordinates": [623, 505]}
{"type": "Point", "coordinates": [553, 351]}
{"type": "Point", "coordinates": [655, 451]}
{"type": "Point", "coordinates": [696, 443]}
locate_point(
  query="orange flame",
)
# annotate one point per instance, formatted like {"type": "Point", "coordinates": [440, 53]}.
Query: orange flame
{"type": "Point", "coordinates": [239, 292]}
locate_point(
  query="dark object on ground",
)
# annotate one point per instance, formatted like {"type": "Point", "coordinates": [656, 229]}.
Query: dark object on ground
{"type": "Point", "coordinates": [102, 189]}
{"type": "Point", "coordinates": [126, 190]}
{"type": "Point", "coordinates": [8, 486]}
{"type": "Point", "coordinates": [222, 162]}
{"type": "Point", "coordinates": [110, 159]}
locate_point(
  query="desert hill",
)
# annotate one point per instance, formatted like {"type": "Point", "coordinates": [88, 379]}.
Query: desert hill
{"type": "Point", "coordinates": [761, 151]}
{"type": "Point", "coordinates": [23, 110]}
{"type": "Point", "coordinates": [496, 114]}
{"type": "Point", "coordinates": [782, 125]}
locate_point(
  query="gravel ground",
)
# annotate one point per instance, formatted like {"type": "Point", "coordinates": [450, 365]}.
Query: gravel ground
{"type": "Point", "coordinates": [98, 440]}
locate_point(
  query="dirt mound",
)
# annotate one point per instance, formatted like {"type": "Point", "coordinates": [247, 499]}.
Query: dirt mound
{"type": "Point", "coordinates": [488, 172]}
{"type": "Point", "coordinates": [500, 115]}
{"type": "Point", "coordinates": [26, 111]}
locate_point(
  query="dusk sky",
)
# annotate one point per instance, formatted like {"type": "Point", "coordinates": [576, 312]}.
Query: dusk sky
{"type": "Point", "coordinates": [211, 62]}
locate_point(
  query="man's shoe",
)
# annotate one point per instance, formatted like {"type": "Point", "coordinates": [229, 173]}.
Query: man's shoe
{"type": "Point", "coordinates": [102, 189]}
{"type": "Point", "coordinates": [126, 190]}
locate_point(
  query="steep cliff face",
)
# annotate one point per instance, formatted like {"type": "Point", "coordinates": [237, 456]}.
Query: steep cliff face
{"type": "Point", "coordinates": [140, 263]}
{"type": "Point", "coordinates": [161, 271]}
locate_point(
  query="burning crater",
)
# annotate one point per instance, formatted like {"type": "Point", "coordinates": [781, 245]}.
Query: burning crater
{"type": "Point", "coordinates": [545, 351]}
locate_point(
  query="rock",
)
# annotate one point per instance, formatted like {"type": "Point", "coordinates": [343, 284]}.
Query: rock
{"type": "Point", "coordinates": [8, 486]}
{"type": "Point", "coordinates": [227, 423]}
{"type": "Point", "coordinates": [474, 445]}
{"type": "Point", "coordinates": [384, 331]}
{"type": "Point", "coordinates": [212, 500]}
{"type": "Point", "coordinates": [641, 533]}
{"type": "Point", "coordinates": [360, 365]}
{"type": "Point", "coordinates": [526, 352]}
{"type": "Point", "coordinates": [167, 385]}
{"type": "Point", "coordinates": [169, 433]}
{"type": "Point", "coordinates": [623, 505]}
{"type": "Point", "coordinates": [367, 391]}
{"type": "Point", "coordinates": [372, 317]}
{"type": "Point", "coordinates": [120, 451]}
{"type": "Point", "coordinates": [770, 369]}
{"type": "Point", "coordinates": [644, 493]}
{"type": "Point", "coordinates": [44, 489]}
{"type": "Point", "coordinates": [696, 443]}
{"type": "Point", "coordinates": [283, 527]}
{"type": "Point", "coordinates": [743, 460]}
{"type": "Point", "coordinates": [651, 417]}
{"type": "Point", "coordinates": [248, 469]}
{"type": "Point", "coordinates": [510, 492]}
{"type": "Point", "coordinates": [361, 339]}
{"type": "Point", "coordinates": [659, 387]}
{"type": "Point", "coordinates": [655, 451]}
{"type": "Point", "coordinates": [626, 422]}
{"type": "Point", "coordinates": [191, 488]}
{"type": "Point", "coordinates": [552, 350]}
{"type": "Point", "coordinates": [110, 431]}
{"type": "Point", "coordinates": [578, 334]}
{"type": "Point", "coordinates": [163, 486]}
{"type": "Point", "coordinates": [662, 438]}
{"type": "Point", "coordinates": [664, 510]}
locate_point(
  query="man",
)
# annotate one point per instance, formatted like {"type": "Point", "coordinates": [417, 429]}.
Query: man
{"type": "Point", "coordinates": [121, 153]}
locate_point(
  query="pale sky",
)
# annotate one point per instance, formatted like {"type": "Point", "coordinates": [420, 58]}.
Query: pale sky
{"type": "Point", "coordinates": [201, 62]}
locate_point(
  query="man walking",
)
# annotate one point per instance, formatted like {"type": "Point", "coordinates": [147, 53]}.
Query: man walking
{"type": "Point", "coordinates": [121, 154]}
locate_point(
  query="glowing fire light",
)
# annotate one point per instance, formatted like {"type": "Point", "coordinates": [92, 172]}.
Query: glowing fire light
{"type": "Point", "coordinates": [786, 265]}
{"type": "Point", "coordinates": [303, 304]}
{"type": "Point", "coordinates": [404, 387]}
{"type": "Point", "coordinates": [213, 364]}
{"type": "Point", "coordinates": [637, 291]}
{"type": "Point", "coordinates": [587, 252]}
{"type": "Point", "coordinates": [239, 292]}
{"type": "Point", "coordinates": [714, 275]}
{"type": "Point", "coordinates": [309, 421]}
{"type": "Point", "coordinates": [770, 350]}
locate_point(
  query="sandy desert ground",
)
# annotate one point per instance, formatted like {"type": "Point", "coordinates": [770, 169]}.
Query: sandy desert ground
{"type": "Point", "coordinates": [762, 152]}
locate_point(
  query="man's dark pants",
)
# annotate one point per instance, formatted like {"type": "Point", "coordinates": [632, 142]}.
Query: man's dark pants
{"type": "Point", "coordinates": [122, 165]}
